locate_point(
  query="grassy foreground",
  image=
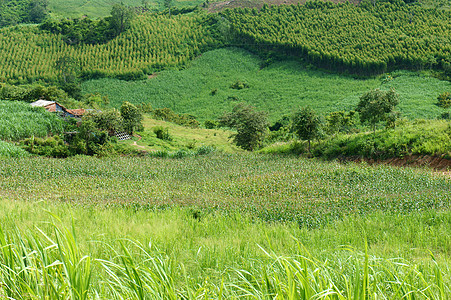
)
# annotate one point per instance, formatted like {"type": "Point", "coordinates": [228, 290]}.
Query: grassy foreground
{"type": "Point", "coordinates": [221, 226]}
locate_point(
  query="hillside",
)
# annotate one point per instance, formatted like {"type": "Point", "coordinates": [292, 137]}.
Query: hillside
{"type": "Point", "coordinates": [279, 89]}
{"type": "Point", "coordinates": [28, 54]}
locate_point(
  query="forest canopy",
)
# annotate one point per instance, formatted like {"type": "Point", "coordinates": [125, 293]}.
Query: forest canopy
{"type": "Point", "coordinates": [14, 12]}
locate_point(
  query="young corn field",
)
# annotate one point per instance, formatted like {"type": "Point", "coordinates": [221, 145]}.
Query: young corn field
{"type": "Point", "coordinates": [221, 226]}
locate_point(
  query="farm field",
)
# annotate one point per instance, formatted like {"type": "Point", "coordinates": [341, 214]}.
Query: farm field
{"type": "Point", "coordinates": [19, 120]}
{"type": "Point", "coordinates": [234, 219]}
{"type": "Point", "coordinates": [279, 89]}
{"type": "Point", "coordinates": [102, 8]}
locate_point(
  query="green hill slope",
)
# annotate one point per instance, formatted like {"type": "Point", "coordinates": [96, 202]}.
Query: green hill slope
{"type": "Point", "coordinates": [203, 89]}
{"type": "Point", "coordinates": [154, 41]}
{"type": "Point", "coordinates": [102, 8]}
{"type": "Point", "coordinates": [364, 39]}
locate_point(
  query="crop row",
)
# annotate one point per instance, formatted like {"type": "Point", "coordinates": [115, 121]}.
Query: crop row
{"type": "Point", "coordinates": [154, 41]}
{"type": "Point", "coordinates": [363, 39]}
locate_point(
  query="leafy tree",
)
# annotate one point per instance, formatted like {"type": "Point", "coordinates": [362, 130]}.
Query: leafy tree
{"type": "Point", "coordinates": [68, 76]}
{"type": "Point", "coordinates": [251, 126]}
{"type": "Point", "coordinates": [306, 124]}
{"type": "Point", "coordinates": [168, 4]}
{"type": "Point", "coordinates": [376, 105]}
{"type": "Point", "coordinates": [339, 121]}
{"type": "Point", "coordinates": [37, 11]}
{"type": "Point", "coordinates": [109, 120]}
{"type": "Point", "coordinates": [121, 18]}
{"type": "Point", "coordinates": [132, 117]}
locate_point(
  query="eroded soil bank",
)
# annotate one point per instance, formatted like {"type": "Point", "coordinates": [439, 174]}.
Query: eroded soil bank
{"type": "Point", "coordinates": [439, 164]}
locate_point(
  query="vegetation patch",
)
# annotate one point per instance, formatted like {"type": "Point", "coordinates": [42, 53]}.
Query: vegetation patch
{"type": "Point", "coordinates": [279, 89]}
{"type": "Point", "coordinates": [19, 120]}
{"type": "Point", "coordinates": [420, 137]}
{"type": "Point", "coordinates": [8, 150]}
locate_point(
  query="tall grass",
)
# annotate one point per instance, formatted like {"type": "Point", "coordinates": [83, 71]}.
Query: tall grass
{"type": "Point", "coordinates": [10, 150]}
{"type": "Point", "coordinates": [279, 89]}
{"type": "Point", "coordinates": [20, 120]}
{"type": "Point", "coordinates": [51, 263]}
{"type": "Point", "coordinates": [420, 137]}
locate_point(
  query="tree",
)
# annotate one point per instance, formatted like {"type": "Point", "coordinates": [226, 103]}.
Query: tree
{"type": "Point", "coordinates": [109, 120]}
{"type": "Point", "coordinates": [444, 100]}
{"type": "Point", "coordinates": [68, 77]}
{"type": "Point", "coordinates": [121, 18]}
{"type": "Point", "coordinates": [168, 4]}
{"type": "Point", "coordinates": [251, 126]}
{"type": "Point", "coordinates": [37, 11]}
{"type": "Point", "coordinates": [132, 117]}
{"type": "Point", "coordinates": [306, 124]}
{"type": "Point", "coordinates": [376, 105]}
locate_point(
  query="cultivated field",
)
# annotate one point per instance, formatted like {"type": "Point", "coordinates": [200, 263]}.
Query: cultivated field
{"type": "Point", "coordinates": [203, 89]}
{"type": "Point", "coordinates": [222, 226]}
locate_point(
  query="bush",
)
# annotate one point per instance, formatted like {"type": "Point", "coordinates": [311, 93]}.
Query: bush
{"type": "Point", "coordinates": [204, 149]}
{"type": "Point", "coordinates": [168, 115]}
{"type": "Point", "coordinates": [210, 124]}
{"type": "Point", "coordinates": [162, 133]}
{"type": "Point", "coordinates": [50, 147]}
{"type": "Point", "coordinates": [239, 85]}
{"type": "Point", "coordinates": [444, 100]}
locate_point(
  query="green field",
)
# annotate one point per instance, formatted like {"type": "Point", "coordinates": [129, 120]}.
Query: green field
{"type": "Point", "coordinates": [181, 137]}
{"type": "Point", "coordinates": [19, 120]}
{"type": "Point", "coordinates": [279, 89]}
{"type": "Point", "coordinates": [160, 227]}
{"type": "Point", "coordinates": [102, 8]}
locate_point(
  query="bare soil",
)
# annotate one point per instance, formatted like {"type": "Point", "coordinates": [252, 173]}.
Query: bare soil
{"type": "Point", "coordinates": [439, 164]}
{"type": "Point", "coordinates": [219, 6]}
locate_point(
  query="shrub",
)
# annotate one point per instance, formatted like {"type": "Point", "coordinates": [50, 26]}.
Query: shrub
{"type": "Point", "coordinates": [210, 124]}
{"type": "Point", "coordinates": [239, 85]}
{"type": "Point", "coordinates": [168, 115]}
{"type": "Point", "coordinates": [444, 100]}
{"type": "Point", "coordinates": [162, 133]}
{"type": "Point", "coordinates": [50, 147]}
{"type": "Point", "coordinates": [205, 149]}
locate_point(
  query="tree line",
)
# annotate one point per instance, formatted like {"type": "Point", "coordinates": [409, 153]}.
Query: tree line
{"type": "Point", "coordinates": [252, 125]}
{"type": "Point", "coordinates": [13, 12]}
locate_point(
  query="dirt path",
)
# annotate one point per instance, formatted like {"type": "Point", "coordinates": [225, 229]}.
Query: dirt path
{"type": "Point", "coordinates": [139, 138]}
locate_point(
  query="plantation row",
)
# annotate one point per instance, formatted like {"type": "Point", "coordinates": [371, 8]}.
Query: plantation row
{"type": "Point", "coordinates": [363, 39]}
{"type": "Point", "coordinates": [154, 41]}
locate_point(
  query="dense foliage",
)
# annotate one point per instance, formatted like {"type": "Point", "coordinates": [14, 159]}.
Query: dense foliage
{"type": "Point", "coordinates": [418, 138]}
{"type": "Point", "coordinates": [153, 42]}
{"type": "Point", "coordinates": [20, 120]}
{"type": "Point", "coordinates": [251, 126]}
{"type": "Point", "coordinates": [13, 12]}
{"type": "Point", "coordinates": [365, 39]}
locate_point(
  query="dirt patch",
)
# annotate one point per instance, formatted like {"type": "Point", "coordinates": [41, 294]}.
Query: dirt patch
{"type": "Point", "coordinates": [439, 164]}
{"type": "Point", "coordinates": [219, 6]}
{"type": "Point", "coordinates": [152, 76]}
{"type": "Point", "coordinates": [135, 144]}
